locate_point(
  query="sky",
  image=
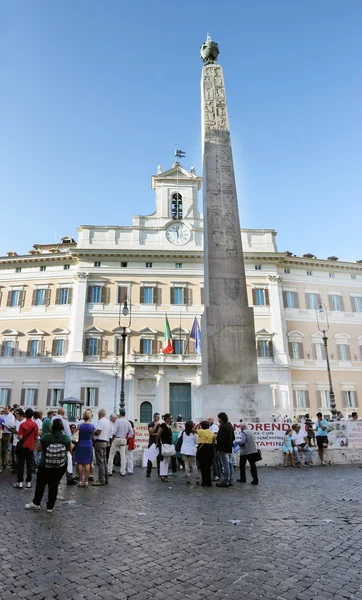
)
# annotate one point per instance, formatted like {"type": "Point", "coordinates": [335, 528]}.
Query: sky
{"type": "Point", "coordinates": [96, 93]}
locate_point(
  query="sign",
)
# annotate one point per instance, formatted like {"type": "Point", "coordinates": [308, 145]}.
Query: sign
{"type": "Point", "coordinates": [268, 436]}
{"type": "Point", "coordinates": [354, 430]}
{"type": "Point", "coordinates": [141, 436]}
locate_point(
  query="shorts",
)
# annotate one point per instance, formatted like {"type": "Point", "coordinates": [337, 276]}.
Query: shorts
{"type": "Point", "coordinates": [321, 439]}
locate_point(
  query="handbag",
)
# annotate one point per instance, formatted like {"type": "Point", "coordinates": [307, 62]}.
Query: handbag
{"type": "Point", "coordinates": [168, 450]}
{"type": "Point", "coordinates": [255, 456]}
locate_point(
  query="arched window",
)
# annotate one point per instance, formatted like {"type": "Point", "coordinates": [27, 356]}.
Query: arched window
{"type": "Point", "coordinates": [146, 412]}
{"type": "Point", "coordinates": [176, 206]}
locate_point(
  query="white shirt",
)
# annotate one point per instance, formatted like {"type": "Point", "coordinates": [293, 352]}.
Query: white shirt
{"type": "Point", "coordinates": [17, 425]}
{"type": "Point", "coordinates": [111, 430]}
{"type": "Point", "coordinates": [9, 422]}
{"type": "Point", "coordinates": [65, 423]}
{"type": "Point", "coordinates": [103, 425]}
{"type": "Point", "coordinates": [189, 443]}
{"type": "Point", "coordinates": [298, 438]}
{"type": "Point", "coordinates": [39, 423]}
{"type": "Point", "coordinates": [122, 427]}
{"type": "Point", "coordinates": [214, 428]}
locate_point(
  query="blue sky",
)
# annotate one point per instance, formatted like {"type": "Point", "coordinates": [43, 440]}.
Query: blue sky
{"type": "Point", "coordinates": [95, 94]}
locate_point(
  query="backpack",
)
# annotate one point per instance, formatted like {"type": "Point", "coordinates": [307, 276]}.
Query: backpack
{"type": "Point", "coordinates": [55, 455]}
{"type": "Point", "coordinates": [178, 444]}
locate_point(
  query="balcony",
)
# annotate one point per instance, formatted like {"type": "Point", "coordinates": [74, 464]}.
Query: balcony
{"type": "Point", "coordinates": [168, 359]}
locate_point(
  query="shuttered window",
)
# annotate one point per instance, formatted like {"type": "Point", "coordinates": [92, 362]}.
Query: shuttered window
{"type": "Point", "coordinates": [343, 351]}
{"type": "Point", "coordinates": [5, 396]}
{"type": "Point", "coordinates": [301, 398]}
{"type": "Point", "coordinates": [260, 297]}
{"type": "Point", "coordinates": [265, 348]}
{"type": "Point", "coordinates": [296, 350]}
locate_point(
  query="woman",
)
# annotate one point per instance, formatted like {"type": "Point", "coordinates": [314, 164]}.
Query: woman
{"type": "Point", "coordinates": [129, 451]}
{"type": "Point", "coordinates": [164, 436]}
{"type": "Point", "coordinates": [19, 418]}
{"type": "Point", "coordinates": [52, 465]}
{"type": "Point", "coordinates": [188, 451]}
{"type": "Point", "coordinates": [205, 452]}
{"type": "Point", "coordinates": [83, 455]}
{"type": "Point", "coordinates": [248, 452]}
{"type": "Point", "coordinates": [177, 458]}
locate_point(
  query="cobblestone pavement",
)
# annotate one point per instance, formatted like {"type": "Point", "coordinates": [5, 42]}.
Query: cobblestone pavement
{"type": "Point", "coordinates": [297, 535]}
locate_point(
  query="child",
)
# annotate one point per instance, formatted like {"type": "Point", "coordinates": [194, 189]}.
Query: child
{"type": "Point", "coordinates": [288, 448]}
{"type": "Point", "coordinates": [129, 451]}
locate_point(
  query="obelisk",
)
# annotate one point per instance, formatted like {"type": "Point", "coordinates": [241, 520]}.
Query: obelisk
{"type": "Point", "coordinates": [229, 358]}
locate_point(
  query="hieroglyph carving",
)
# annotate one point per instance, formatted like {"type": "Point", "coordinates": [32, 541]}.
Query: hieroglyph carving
{"type": "Point", "coordinates": [214, 100]}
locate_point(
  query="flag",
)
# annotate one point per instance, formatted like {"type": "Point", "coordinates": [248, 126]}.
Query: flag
{"type": "Point", "coordinates": [196, 335]}
{"type": "Point", "coordinates": [167, 339]}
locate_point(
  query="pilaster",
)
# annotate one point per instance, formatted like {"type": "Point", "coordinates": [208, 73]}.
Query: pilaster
{"type": "Point", "coordinates": [77, 318]}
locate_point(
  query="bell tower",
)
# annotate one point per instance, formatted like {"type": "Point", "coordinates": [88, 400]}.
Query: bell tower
{"type": "Point", "coordinates": [177, 195]}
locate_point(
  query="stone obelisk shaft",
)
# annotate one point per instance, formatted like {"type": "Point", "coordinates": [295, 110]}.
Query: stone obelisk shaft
{"type": "Point", "coordinates": [228, 333]}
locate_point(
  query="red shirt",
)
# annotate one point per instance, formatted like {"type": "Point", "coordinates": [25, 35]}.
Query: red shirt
{"type": "Point", "coordinates": [29, 430]}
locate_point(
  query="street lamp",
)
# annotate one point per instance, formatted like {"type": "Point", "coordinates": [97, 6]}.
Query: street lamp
{"type": "Point", "coordinates": [323, 326]}
{"type": "Point", "coordinates": [125, 312]}
{"type": "Point", "coordinates": [116, 368]}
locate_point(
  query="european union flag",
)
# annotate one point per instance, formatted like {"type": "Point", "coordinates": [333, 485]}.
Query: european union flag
{"type": "Point", "coordinates": [196, 335]}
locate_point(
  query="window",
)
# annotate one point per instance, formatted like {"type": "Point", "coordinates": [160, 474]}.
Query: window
{"type": "Point", "coordinates": [178, 265]}
{"type": "Point", "coordinates": [30, 397]}
{"type": "Point", "coordinates": [18, 270]}
{"type": "Point", "coordinates": [353, 277]}
{"type": "Point", "coordinates": [4, 396]}
{"type": "Point", "coordinates": [55, 395]}
{"type": "Point", "coordinates": [148, 265]}
{"type": "Point", "coordinates": [93, 346]}
{"type": "Point", "coordinates": [320, 351]}
{"type": "Point", "coordinates": [148, 295]}
{"type": "Point", "coordinates": [290, 299]}
{"type": "Point", "coordinates": [336, 303]}
{"type": "Point", "coordinates": [91, 396]}
{"type": "Point", "coordinates": [96, 294]}
{"type": "Point", "coordinates": [343, 351]}
{"type": "Point", "coordinates": [309, 272]}
{"type": "Point", "coordinates": [260, 297]}
{"type": "Point", "coordinates": [176, 206]}
{"type": "Point", "coordinates": [34, 348]}
{"type": "Point", "coordinates": [124, 265]}
{"type": "Point", "coordinates": [59, 347]}
{"type": "Point", "coordinates": [265, 348]}
{"type": "Point", "coordinates": [43, 268]}
{"type": "Point", "coordinates": [97, 264]}
{"type": "Point", "coordinates": [350, 399]}
{"type": "Point", "coordinates": [296, 350]}
{"type": "Point", "coordinates": [66, 267]}
{"type": "Point", "coordinates": [15, 298]}
{"type": "Point", "coordinates": [287, 271]}
{"type": "Point", "coordinates": [178, 346]}
{"type": "Point", "coordinates": [313, 301]}
{"type": "Point", "coordinates": [8, 348]}
{"type": "Point", "coordinates": [63, 295]}
{"type": "Point", "coordinates": [331, 274]}
{"type": "Point", "coordinates": [357, 304]}
{"type": "Point", "coordinates": [146, 412]}
{"type": "Point", "coordinates": [39, 297]}
{"type": "Point", "coordinates": [146, 346]}
{"type": "Point", "coordinates": [257, 267]}
{"type": "Point", "coordinates": [301, 398]}
{"type": "Point", "coordinates": [178, 295]}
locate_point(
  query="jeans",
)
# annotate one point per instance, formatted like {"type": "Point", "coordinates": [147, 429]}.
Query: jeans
{"type": "Point", "coordinates": [205, 455]}
{"type": "Point", "coordinates": [253, 469]}
{"type": "Point", "coordinates": [306, 449]}
{"type": "Point", "coordinates": [25, 456]}
{"type": "Point", "coordinates": [216, 464]}
{"type": "Point", "coordinates": [100, 449]}
{"type": "Point", "coordinates": [51, 478]}
{"type": "Point", "coordinates": [227, 463]}
{"type": "Point", "coordinates": [119, 444]}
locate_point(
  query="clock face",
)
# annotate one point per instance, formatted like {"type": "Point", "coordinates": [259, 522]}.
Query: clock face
{"type": "Point", "coordinates": [178, 234]}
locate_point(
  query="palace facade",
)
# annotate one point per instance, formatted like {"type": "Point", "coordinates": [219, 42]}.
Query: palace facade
{"type": "Point", "coordinates": [61, 315]}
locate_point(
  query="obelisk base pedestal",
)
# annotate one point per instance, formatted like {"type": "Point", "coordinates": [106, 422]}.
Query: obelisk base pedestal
{"type": "Point", "coordinates": [247, 402]}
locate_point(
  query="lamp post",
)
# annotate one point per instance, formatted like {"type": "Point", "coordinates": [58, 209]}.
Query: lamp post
{"type": "Point", "coordinates": [323, 326]}
{"type": "Point", "coordinates": [116, 368]}
{"type": "Point", "coordinates": [125, 312]}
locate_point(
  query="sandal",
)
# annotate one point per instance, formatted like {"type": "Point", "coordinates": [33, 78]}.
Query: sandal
{"type": "Point", "coordinates": [85, 484]}
{"type": "Point", "coordinates": [80, 484]}
{"type": "Point", "coordinates": [164, 479]}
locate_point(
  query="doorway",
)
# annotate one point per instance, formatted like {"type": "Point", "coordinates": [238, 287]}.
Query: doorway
{"type": "Point", "coordinates": [180, 400]}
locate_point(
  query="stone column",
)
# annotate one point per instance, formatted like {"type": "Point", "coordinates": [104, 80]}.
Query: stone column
{"type": "Point", "coordinates": [77, 318]}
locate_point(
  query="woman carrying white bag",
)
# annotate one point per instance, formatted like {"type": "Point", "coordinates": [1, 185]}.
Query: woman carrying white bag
{"type": "Point", "coordinates": [164, 443]}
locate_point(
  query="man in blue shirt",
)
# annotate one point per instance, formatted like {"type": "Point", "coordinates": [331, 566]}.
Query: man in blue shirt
{"type": "Point", "coordinates": [322, 436]}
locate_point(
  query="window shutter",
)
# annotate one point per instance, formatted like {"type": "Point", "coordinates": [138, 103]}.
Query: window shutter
{"type": "Point", "coordinates": [158, 297]}
{"type": "Point", "coordinates": [141, 347]}
{"type": "Point", "coordinates": [57, 296]}
{"type": "Point", "coordinates": [330, 302]}
{"type": "Point", "coordinates": [348, 353]}
{"type": "Point", "coordinates": [307, 301]}
{"type": "Point", "coordinates": [319, 398]}
{"type": "Point", "coordinates": [295, 399]}
{"type": "Point", "coordinates": [341, 303]}
{"type": "Point", "coordinates": [191, 346]}
{"type": "Point", "coordinates": [258, 346]}
{"type": "Point", "coordinates": [82, 394]}
{"type": "Point", "coordinates": [61, 395]}
{"type": "Point", "coordinates": [319, 299]}
{"type": "Point", "coordinates": [70, 295]}
{"type": "Point", "coordinates": [254, 297]}
{"type": "Point", "coordinates": [296, 299]}
{"type": "Point", "coordinates": [187, 296]}
{"type": "Point", "coordinates": [105, 294]}
{"type": "Point", "coordinates": [87, 347]}
{"type": "Point", "coordinates": [307, 403]}
{"type": "Point", "coordinates": [266, 294]}
{"type": "Point", "coordinates": [33, 298]}
{"type": "Point", "coordinates": [42, 347]}
{"type": "Point", "coordinates": [142, 294]}
{"type": "Point", "coordinates": [96, 396]}
{"type": "Point", "coordinates": [22, 298]}
{"type": "Point", "coordinates": [343, 399]}
{"type": "Point", "coordinates": [154, 346]}
{"type": "Point", "coordinates": [172, 295]}
{"type": "Point", "coordinates": [118, 346]}
{"type": "Point", "coordinates": [89, 295]}
{"type": "Point", "coordinates": [54, 347]}
{"type": "Point", "coordinates": [122, 293]}
{"type": "Point", "coordinates": [290, 346]}
{"type": "Point", "coordinates": [65, 347]}
{"type": "Point", "coordinates": [9, 397]}
{"type": "Point", "coordinates": [2, 349]}
{"type": "Point", "coordinates": [301, 350]}
{"type": "Point", "coordinates": [22, 397]}
{"type": "Point", "coordinates": [271, 348]}
{"type": "Point", "coordinates": [36, 392]}
{"type": "Point", "coordinates": [49, 397]}
{"type": "Point", "coordinates": [285, 299]}
{"type": "Point", "coordinates": [202, 294]}
{"type": "Point", "coordinates": [8, 301]}
{"type": "Point", "coordinates": [355, 399]}
{"type": "Point", "coordinates": [28, 348]}
{"type": "Point", "coordinates": [47, 297]}
{"type": "Point", "coordinates": [104, 347]}
{"type": "Point", "coordinates": [352, 304]}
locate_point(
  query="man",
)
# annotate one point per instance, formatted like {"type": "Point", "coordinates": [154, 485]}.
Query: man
{"type": "Point", "coordinates": [224, 441]}
{"type": "Point", "coordinates": [28, 433]}
{"type": "Point", "coordinates": [248, 452]}
{"type": "Point", "coordinates": [153, 428]}
{"type": "Point", "coordinates": [122, 431]}
{"type": "Point", "coordinates": [112, 419]}
{"type": "Point", "coordinates": [47, 423]}
{"type": "Point", "coordinates": [354, 416]}
{"type": "Point", "coordinates": [61, 415]}
{"type": "Point", "coordinates": [322, 436]}
{"type": "Point", "coordinates": [101, 439]}
{"type": "Point", "coordinates": [216, 461]}
{"type": "Point", "coordinates": [9, 422]}
{"type": "Point", "coordinates": [38, 419]}
{"type": "Point", "coordinates": [300, 444]}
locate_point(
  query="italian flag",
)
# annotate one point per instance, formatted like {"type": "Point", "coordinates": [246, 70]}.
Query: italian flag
{"type": "Point", "coordinates": [167, 339]}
